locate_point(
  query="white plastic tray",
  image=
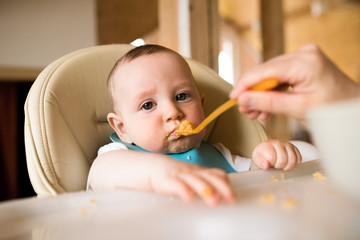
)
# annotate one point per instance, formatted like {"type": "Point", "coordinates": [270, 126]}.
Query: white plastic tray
{"type": "Point", "coordinates": [297, 206]}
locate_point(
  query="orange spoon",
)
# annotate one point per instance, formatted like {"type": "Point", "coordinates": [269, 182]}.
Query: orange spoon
{"type": "Point", "coordinates": [186, 128]}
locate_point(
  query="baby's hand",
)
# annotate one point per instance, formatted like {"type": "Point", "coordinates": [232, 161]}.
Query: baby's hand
{"type": "Point", "coordinates": [185, 180]}
{"type": "Point", "coordinates": [278, 154]}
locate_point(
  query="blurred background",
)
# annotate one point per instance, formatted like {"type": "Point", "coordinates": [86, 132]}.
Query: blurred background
{"type": "Point", "coordinates": [230, 36]}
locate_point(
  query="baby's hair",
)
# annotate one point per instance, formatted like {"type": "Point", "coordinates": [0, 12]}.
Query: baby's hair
{"type": "Point", "coordinates": [134, 53]}
{"type": "Point", "coordinates": [138, 52]}
{"type": "Point", "coordinates": [144, 50]}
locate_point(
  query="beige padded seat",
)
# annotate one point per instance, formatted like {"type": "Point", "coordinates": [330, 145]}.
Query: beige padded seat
{"type": "Point", "coordinates": [65, 117]}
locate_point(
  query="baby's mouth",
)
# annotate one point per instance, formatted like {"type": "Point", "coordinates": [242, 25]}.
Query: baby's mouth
{"type": "Point", "coordinates": [173, 136]}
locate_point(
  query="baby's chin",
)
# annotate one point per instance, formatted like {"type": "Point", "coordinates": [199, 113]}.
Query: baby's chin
{"type": "Point", "coordinates": [180, 146]}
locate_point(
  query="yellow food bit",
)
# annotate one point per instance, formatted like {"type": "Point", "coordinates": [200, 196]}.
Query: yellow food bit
{"type": "Point", "coordinates": [184, 128]}
{"type": "Point", "coordinates": [92, 201]}
{"type": "Point", "coordinates": [83, 211]}
{"type": "Point", "coordinates": [207, 192]}
{"type": "Point", "coordinates": [290, 203]}
{"type": "Point", "coordinates": [188, 157]}
{"type": "Point", "coordinates": [319, 176]}
{"type": "Point", "coordinates": [282, 176]}
{"type": "Point", "coordinates": [273, 179]}
{"type": "Point", "coordinates": [267, 198]}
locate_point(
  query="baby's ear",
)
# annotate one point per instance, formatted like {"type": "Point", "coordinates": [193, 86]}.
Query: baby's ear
{"type": "Point", "coordinates": [202, 97]}
{"type": "Point", "coordinates": [117, 124]}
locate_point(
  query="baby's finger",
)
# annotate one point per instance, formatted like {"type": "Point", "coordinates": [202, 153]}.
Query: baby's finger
{"type": "Point", "coordinates": [281, 156]}
{"type": "Point", "coordinates": [291, 158]}
{"type": "Point", "coordinates": [261, 161]}
{"type": "Point", "coordinates": [202, 188]}
{"type": "Point", "coordinates": [178, 188]}
{"type": "Point", "coordinates": [220, 182]}
{"type": "Point", "coordinates": [298, 155]}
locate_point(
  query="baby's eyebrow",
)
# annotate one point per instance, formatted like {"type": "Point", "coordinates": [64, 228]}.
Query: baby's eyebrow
{"type": "Point", "coordinates": [143, 94]}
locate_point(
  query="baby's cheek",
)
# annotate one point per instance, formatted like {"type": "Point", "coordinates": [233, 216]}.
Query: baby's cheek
{"type": "Point", "coordinates": [152, 143]}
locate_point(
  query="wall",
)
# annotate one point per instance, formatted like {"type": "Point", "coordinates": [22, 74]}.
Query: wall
{"type": "Point", "coordinates": [36, 32]}
{"type": "Point", "coordinates": [33, 33]}
{"type": "Point", "coordinates": [336, 31]}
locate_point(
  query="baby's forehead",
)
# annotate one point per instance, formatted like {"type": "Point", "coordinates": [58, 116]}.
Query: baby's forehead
{"type": "Point", "coordinates": [143, 62]}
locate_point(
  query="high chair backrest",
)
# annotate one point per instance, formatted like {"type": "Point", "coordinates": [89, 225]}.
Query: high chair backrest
{"type": "Point", "coordinates": [65, 117]}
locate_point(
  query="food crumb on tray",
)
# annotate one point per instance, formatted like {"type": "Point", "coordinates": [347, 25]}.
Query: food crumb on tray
{"type": "Point", "coordinates": [267, 198]}
{"type": "Point", "coordinates": [290, 202]}
{"type": "Point", "coordinates": [83, 211]}
{"type": "Point", "coordinates": [282, 176]}
{"type": "Point", "coordinates": [319, 176]}
{"type": "Point", "coordinates": [273, 179]}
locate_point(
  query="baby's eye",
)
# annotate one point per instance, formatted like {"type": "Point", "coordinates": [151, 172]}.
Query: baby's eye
{"type": "Point", "coordinates": [148, 105]}
{"type": "Point", "coordinates": [181, 96]}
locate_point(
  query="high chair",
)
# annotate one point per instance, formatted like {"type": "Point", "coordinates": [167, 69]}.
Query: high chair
{"type": "Point", "coordinates": [65, 117]}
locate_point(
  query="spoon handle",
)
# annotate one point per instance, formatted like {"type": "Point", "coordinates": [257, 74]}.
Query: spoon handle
{"type": "Point", "coordinates": [222, 108]}
{"type": "Point", "coordinates": [267, 84]}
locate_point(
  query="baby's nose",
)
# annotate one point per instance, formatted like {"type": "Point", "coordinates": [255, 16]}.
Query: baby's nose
{"type": "Point", "coordinates": [172, 112]}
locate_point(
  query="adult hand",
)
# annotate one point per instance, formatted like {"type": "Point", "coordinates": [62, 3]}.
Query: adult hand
{"type": "Point", "coordinates": [313, 78]}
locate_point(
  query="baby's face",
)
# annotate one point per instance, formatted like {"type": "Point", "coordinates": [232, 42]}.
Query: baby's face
{"type": "Point", "coordinates": [152, 95]}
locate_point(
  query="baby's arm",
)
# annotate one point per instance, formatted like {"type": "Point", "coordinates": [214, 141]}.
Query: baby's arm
{"type": "Point", "coordinates": [276, 153]}
{"type": "Point", "coordinates": [159, 173]}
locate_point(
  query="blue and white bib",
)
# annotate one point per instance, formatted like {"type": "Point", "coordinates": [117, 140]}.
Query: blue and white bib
{"type": "Point", "coordinates": [206, 155]}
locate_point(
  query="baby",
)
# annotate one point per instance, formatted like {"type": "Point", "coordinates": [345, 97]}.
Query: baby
{"type": "Point", "coordinates": [152, 91]}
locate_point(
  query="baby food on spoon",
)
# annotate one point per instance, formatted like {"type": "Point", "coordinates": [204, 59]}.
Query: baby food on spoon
{"type": "Point", "coordinates": [185, 128]}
